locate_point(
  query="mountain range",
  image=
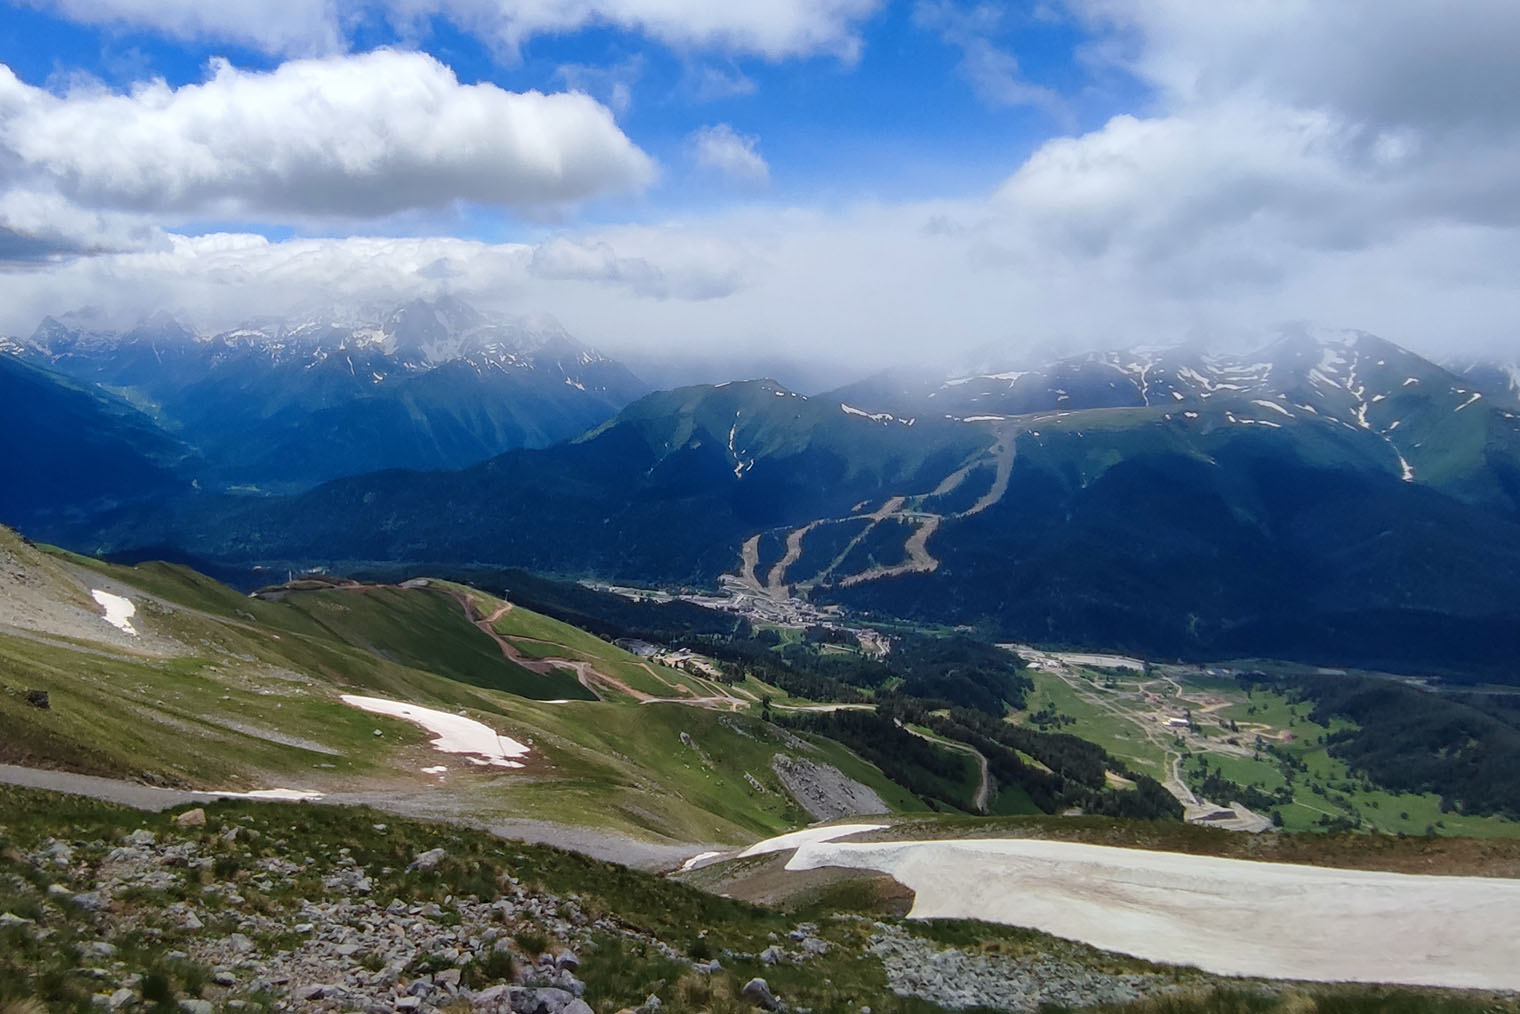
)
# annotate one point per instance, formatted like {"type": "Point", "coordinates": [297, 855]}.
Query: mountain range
{"type": "Point", "coordinates": [284, 405]}
{"type": "Point", "coordinates": [1333, 497]}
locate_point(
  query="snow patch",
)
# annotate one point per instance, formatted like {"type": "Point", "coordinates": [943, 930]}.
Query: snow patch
{"type": "Point", "coordinates": [807, 836]}
{"type": "Point", "coordinates": [694, 860]}
{"type": "Point", "coordinates": [881, 417]}
{"type": "Point", "coordinates": [1274, 406]}
{"type": "Point", "coordinates": [119, 611]}
{"type": "Point", "coordinates": [477, 742]}
{"type": "Point", "coordinates": [282, 795]}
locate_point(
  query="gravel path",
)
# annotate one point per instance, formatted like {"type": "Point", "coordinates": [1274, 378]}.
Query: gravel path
{"type": "Point", "coordinates": [139, 797]}
{"type": "Point", "coordinates": [595, 842]}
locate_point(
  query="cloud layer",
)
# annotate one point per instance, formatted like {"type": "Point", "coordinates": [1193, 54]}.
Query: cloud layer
{"type": "Point", "coordinates": [1356, 164]}
{"type": "Point", "coordinates": [770, 28]}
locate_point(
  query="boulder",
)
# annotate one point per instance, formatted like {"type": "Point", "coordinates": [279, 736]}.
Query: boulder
{"type": "Point", "coordinates": [543, 1000]}
{"type": "Point", "coordinates": [192, 818]}
{"type": "Point", "coordinates": [428, 860]}
{"type": "Point", "coordinates": [39, 699]}
{"type": "Point", "coordinates": [758, 992]}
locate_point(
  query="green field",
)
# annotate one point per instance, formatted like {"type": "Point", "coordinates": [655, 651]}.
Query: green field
{"type": "Point", "coordinates": [1109, 709]}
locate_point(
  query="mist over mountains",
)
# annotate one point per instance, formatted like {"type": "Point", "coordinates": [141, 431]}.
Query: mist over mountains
{"type": "Point", "coordinates": [282, 405]}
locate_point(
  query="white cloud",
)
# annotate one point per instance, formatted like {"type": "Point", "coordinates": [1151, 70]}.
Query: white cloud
{"type": "Point", "coordinates": [222, 279]}
{"type": "Point", "coordinates": [40, 226]}
{"type": "Point", "coordinates": [638, 260]}
{"type": "Point", "coordinates": [611, 85]}
{"type": "Point", "coordinates": [725, 150]}
{"type": "Point", "coordinates": [993, 73]}
{"type": "Point", "coordinates": [287, 27]}
{"type": "Point", "coordinates": [772, 28]}
{"type": "Point", "coordinates": [338, 136]}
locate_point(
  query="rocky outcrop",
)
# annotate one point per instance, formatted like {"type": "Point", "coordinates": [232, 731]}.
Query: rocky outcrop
{"type": "Point", "coordinates": [957, 979]}
{"type": "Point", "coordinates": [824, 791]}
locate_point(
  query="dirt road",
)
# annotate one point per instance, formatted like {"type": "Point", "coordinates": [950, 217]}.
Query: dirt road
{"type": "Point", "coordinates": [595, 842]}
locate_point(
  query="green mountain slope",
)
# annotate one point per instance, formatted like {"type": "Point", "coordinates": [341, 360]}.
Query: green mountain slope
{"type": "Point", "coordinates": [217, 690]}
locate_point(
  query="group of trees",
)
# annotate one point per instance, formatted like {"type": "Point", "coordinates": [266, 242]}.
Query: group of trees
{"type": "Point", "coordinates": [1463, 747]}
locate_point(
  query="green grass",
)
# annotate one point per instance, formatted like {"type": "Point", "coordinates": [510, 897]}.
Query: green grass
{"type": "Point", "coordinates": [251, 702]}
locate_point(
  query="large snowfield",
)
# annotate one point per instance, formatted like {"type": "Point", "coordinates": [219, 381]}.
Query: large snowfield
{"type": "Point", "coordinates": [1229, 916]}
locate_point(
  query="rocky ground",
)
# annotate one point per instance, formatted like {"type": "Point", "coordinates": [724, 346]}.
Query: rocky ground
{"type": "Point", "coordinates": [824, 791]}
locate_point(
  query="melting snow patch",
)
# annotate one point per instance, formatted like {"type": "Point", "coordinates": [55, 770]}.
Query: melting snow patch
{"type": "Point", "coordinates": [807, 836]}
{"type": "Point", "coordinates": [694, 860]}
{"type": "Point", "coordinates": [282, 795]}
{"type": "Point", "coordinates": [119, 611]}
{"type": "Point", "coordinates": [1363, 926]}
{"type": "Point", "coordinates": [1274, 407]}
{"type": "Point", "coordinates": [881, 417]}
{"type": "Point", "coordinates": [477, 742]}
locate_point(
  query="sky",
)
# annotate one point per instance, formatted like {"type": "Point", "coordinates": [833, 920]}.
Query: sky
{"type": "Point", "coordinates": [858, 181]}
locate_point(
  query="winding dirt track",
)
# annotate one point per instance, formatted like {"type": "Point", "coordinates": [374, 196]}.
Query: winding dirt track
{"type": "Point", "coordinates": [587, 674]}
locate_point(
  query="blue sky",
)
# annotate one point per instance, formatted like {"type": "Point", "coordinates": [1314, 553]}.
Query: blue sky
{"type": "Point", "coordinates": [888, 179]}
{"type": "Point", "coordinates": [898, 121]}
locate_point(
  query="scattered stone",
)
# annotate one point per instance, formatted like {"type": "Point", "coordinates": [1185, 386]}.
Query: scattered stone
{"type": "Point", "coordinates": [192, 818]}
{"type": "Point", "coordinates": [567, 961]}
{"type": "Point", "coordinates": [955, 979]}
{"type": "Point", "coordinates": [196, 1006]}
{"type": "Point", "coordinates": [757, 992]}
{"type": "Point", "coordinates": [142, 836]}
{"type": "Point", "coordinates": [122, 999]}
{"type": "Point", "coordinates": [428, 860]}
{"type": "Point", "coordinates": [771, 955]}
